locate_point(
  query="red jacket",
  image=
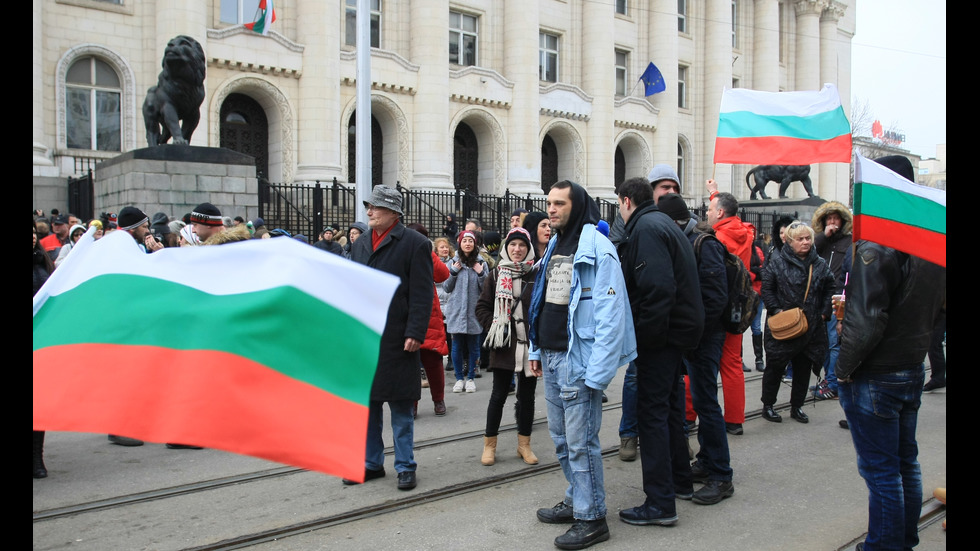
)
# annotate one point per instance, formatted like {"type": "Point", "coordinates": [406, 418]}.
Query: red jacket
{"type": "Point", "coordinates": [435, 335]}
{"type": "Point", "coordinates": [737, 237]}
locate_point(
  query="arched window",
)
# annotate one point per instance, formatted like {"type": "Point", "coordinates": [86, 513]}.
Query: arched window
{"type": "Point", "coordinates": [93, 106]}
{"type": "Point", "coordinates": [681, 168]}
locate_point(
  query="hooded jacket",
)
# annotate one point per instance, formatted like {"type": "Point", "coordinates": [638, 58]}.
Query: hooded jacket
{"type": "Point", "coordinates": [599, 323]}
{"type": "Point", "coordinates": [833, 248]}
{"type": "Point", "coordinates": [737, 238]}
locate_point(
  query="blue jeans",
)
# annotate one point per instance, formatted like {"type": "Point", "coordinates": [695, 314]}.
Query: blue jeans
{"type": "Point", "coordinates": [574, 417]}
{"type": "Point", "coordinates": [882, 411]}
{"type": "Point", "coordinates": [757, 321]}
{"type": "Point", "coordinates": [471, 343]}
{"type": "Point", "coordinates": [627, 425]}
{"type": "Point", "coordinates": [830, 364]}
{"type": "Point", "coordinates": [702, 369]}
{"type": "Point", "coordinates": [403, 431]}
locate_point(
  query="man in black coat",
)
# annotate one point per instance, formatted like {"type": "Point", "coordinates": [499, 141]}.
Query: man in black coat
{"type": "Point", "coordinates": [391, 248]}
{"type": "Point", "coordinates": [662, 282]}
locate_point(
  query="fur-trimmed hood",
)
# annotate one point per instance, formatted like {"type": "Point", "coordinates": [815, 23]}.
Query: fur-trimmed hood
{"type": "Point", "coordinates": [230, 235]}
{"type": "Point", "coordinates": [827, 208]}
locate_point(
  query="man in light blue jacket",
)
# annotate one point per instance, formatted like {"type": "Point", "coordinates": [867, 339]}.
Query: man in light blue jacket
{"type": "Point", "coordinates": [581, 332]}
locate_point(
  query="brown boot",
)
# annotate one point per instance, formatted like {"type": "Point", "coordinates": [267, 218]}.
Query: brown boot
{"type": "Point", "coordinates": [524, 450]}
{"type": "Point", "coordinates": [489, 450]}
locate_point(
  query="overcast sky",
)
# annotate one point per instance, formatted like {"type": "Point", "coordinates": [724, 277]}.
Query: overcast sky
{"type": "Point", "coordinates": [899, 67]}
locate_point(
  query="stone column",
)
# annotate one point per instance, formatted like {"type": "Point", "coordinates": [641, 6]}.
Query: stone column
{"type": "Point", "coordinates": [521, 67]}
{"type": "Point", "coordinates": [597, 60]}
{"type": "Point", "coordinates": [807, 62]}
{"type": "Point", "coordinates": [833, 177]}
{"type": "Point", "coordinates": [177, 17]}
{"type": "Point", "coordinates": [318, 109]}
{"type": "Point", "coordinates": [717, 75]}
{"type": "Point", "coordinates": [765, 47]}
{"type": "Point", "coordinates": [663, 52]}
{"type": "Point", "coordinates": [40, 150]}
{"type": "Point", "coordinates": [432, 151]}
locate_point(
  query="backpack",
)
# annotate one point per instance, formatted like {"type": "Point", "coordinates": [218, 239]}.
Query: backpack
{"type": "Point", "coordinates": [743, 301]}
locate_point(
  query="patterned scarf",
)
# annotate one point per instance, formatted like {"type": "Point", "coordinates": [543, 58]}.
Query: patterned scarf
{"type": "Point", "coordinates": [509, 275]}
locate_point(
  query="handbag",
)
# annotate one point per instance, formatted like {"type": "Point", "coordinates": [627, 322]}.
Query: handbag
{"type": "Point", "coordinates": [791, 323]}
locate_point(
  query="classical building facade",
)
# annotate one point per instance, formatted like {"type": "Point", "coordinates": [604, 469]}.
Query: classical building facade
{"type": "Point", "coordinates": [489, 95]}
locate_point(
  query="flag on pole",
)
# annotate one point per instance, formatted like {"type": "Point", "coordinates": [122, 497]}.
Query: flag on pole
{"type": "Point", "coordinates": [264, 18]}
{"type": "Point", "coordinates": [265, 348]}
{"type": "Point", "coordinates": [782, 128]}
{"type": "Point", "coordinates": [653, 80]}
{"type": "Point", "coordinates": [896, 213]}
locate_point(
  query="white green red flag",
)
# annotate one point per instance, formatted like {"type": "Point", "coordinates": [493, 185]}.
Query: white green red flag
{"type": "Point", "coordinates": [265, 348]}
{"type": "Point", "coordinates": [264, 18]}
{"type": "Point", "coordinates": [896, 213]}
{"type": "Point", "coordinates": [782, 128]}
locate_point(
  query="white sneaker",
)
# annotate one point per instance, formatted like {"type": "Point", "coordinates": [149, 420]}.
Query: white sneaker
{"type": "Point", "coordinates": [470, 386]}
{"type": "Point", "coordinates": [458, 387]}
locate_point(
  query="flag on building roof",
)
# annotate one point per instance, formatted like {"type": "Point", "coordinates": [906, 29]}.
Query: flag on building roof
{"type": "Point", "coordinates": [782, 128]}
{"type": "Point", "coordinates": [892, 211]}
{"type": "Point", "coordinates": [653, 80]}
{"type": "Point", "coordinates": [265, 16]}
{"type": "Point", "coordinates": [265, 348]}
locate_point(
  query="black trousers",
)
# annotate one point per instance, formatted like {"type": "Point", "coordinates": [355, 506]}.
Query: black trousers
{"type": "Point", "coordinates": [801, 381]}
{"type": "Point", "coordinates": [498, 396]}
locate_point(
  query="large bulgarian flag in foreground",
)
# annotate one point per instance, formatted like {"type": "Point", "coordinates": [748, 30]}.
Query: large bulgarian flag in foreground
{"type": "Point", "coordinates": [266, 348]}
{"type": "Point", "coordinates": [892, 211]}
{"type": "Point", "coordinates": [782, 128]}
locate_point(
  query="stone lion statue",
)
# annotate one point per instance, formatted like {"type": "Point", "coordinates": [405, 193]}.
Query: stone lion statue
{"type": "Point", "coordinates": [784, 174]}
{"type": "Point", "coordinates": [172, 108]}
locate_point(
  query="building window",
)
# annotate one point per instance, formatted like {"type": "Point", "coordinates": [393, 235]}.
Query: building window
{"type": "Point", "coordinates": [736, 82]}
{"type": "Point", "coordinates": [462, 38]}
{"type": "Point", "coordinates": [350, 23]}
{"type": "Point", "coordinates": [621, 7]}
{"type": "Point", "coordinates": [682, 86]}
{"type": "Point", "coordinates": [734, 23]}
{"type": "Point", "coordinates": [680, 165]}
{"type": "Point", "coordinates": [548, 57]}
{"type": "Point", "coordinates": [782, 36]}
{"type": "Point", "coordinates": [237, 12]}
{"type": "Point", "coordinates": [622, 60]}
{"type": "Point", "coordinates": [682, 16]}
{"type": "Point", "coordinates": [93, 96]}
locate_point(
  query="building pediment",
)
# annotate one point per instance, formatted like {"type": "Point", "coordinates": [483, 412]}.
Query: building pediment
{"type": "Point", "coordinates": [389, 71]}
{"type": "Point", "coordinates": [480, 86]}
{"type": "Point", "coordinates": [565, 101]}
{"type": "Point", "coordinates": [635, 113]}
{"type": "Point", "coordinates": [238, 48]}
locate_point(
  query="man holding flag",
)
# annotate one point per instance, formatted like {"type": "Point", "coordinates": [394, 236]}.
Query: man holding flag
{"type": "Point", "coordinates": [893, 301]}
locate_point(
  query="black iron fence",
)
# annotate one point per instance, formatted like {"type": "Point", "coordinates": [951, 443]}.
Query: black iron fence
{"type": "Point", "coordinates": [308, 209]}
{"type": "Point", "coordinates": [81, 196]}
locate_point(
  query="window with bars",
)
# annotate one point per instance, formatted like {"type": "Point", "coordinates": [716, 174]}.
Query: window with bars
{"type": "Point", "coordinates": [93, 96]}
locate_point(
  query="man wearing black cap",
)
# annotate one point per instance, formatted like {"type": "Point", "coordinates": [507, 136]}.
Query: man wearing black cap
{"type": "Point", "coordinates": [713, 467]}
{"type": "Point", "coordinates": [391, 248]}
{"type": "Point", "coordinates": [661, 278]}
{"type": "Point", "coordinates": [327, 243]}
{"type": "Point", "coordinates": [58, 236]}
{"type": "Point", "coordinates": [135, 222]}
{"type": "Point", "coordinates": [206, 221]}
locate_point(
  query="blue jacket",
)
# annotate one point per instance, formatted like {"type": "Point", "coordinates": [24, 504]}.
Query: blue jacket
{"type": "Point", "coordinates": [600, 326]}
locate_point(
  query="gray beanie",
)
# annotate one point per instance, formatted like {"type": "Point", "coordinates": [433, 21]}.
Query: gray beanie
{"type": "Point", "coordinates": [663, 172]}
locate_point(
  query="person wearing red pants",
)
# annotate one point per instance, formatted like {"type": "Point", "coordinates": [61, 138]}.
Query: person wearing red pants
{"type": "Point", "coordinates": [737, 237]}
{"type": "Point", "coordinates": [434, 346]}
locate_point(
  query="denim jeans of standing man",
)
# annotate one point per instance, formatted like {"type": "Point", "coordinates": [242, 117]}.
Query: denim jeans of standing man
{"type": "Point", "coordinates": [830, 363]}
{"type": "Point", "coordinates": [702, 370]}
{"type": "Point", "coordinates": [882, 411]}
{"type": "Point", "coordinates": [403, 433]}
{"type": "Point", "coordinates": [627, 424]}
{"type": "Point", "coordinates": [574, 418]}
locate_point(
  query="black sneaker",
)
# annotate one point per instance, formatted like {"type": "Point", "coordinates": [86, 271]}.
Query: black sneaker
{"type": "Point", "coordinates": [559, 514]}
{"type": "Point", "coordinates": [734, 428]}
{"type": "Point", "coordinates": [369, 474]}
{"type": "Point", "coordinates": [713, 492]}
{"type": "Point", "coordinates": [406, 480]}
{"type": "Point", "coordinates": [698, 473]}
{"type": "Point", "coordinates": [646, 515]}
{"type": "Point", "coordinates": [582, 534]}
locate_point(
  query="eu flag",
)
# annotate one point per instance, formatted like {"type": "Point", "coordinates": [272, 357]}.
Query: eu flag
{"type": "Point", "coordinates": [653, 81]}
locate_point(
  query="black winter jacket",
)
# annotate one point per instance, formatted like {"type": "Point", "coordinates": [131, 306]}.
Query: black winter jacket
{"type": "Point", "coordinates": [784, 284]}
{"type": "Point", "coordinates": [662, 281]}
{"type": "Point", "coordinates": [893, 301]}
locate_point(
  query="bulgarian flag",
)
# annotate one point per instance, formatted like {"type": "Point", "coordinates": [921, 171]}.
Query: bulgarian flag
{"type": "Point", "coordinates": [265, 348]}
{"type": "Point", "coordinates": [782, 128]}
{"type": "Point", "coordinates": [894, 212]}
{"type": "Point", "coordinates": [264, 18]}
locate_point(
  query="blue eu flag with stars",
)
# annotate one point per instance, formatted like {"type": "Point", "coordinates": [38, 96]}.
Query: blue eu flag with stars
{"type": "Point", "coordinates": [653, 81]}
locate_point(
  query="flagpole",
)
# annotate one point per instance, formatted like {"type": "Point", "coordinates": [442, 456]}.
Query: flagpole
{"type": "Point", "coordinates": [638, 81]}
{"type": "Point", "coordinates": [362, 122]}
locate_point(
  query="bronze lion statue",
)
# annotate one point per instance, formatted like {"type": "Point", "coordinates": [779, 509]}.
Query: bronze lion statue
{"type": "Point", "coordinates": [784, 174]}
{"type": "Point", "coordinates": [172, 108]}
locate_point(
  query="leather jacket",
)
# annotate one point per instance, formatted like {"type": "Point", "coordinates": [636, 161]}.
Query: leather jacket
{"type": "Point", "coordinates": [893, 300]}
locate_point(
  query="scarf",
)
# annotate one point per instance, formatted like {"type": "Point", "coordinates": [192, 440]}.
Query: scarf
{"type": "Point", "coordinates": [509, 275]}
